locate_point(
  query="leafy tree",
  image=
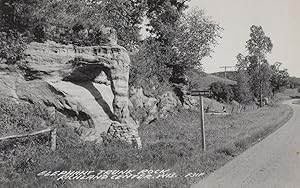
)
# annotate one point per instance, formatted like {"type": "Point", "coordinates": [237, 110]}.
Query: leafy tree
{"type": "Point", "coordinates": [181, 39]}
{"type": "Point", "coordinates": [16, 14]}
{"type": "Point", "coordinates": [242, 90]}
{"type": "Point", "coordinates": [260, 75]}
{"type": "Point", "coordinates": [12, 45]}
{"type": "Point", "coordinates": [259, 44]}
{"type": "Point", "coordinates": [194, 39]}
{"type": "Point", "coordinates": [279, 78]}
{"type": "Point", "coordinates": [148, 68]}
{"type": "Point", "coordinates": [163, 16]}
{"type": "Point", "coordinates": [258, 68]}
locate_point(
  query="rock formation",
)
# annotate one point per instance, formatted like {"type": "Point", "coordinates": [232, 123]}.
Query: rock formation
{"type": "Point", "coordinates": [107, 62]}
{"type": "Point", "coordinates": [147, 109]}
{"type": "Point", "coordinates": [112, 60]}
{"type": "Point", "coordinates": [89, 85]}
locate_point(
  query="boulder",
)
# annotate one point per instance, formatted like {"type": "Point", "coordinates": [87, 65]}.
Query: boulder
{"type": "Point", "coordinates": [167, 104]}
{"type": "Point", "coordinates": [123, 133]}
{"type": "Point", "coordinates": [143, 108]}
{"type": "Point", "coordinates": [146, 109]}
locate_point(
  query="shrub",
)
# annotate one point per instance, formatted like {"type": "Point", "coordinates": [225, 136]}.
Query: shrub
{"type": "Point", "coordinates": [12, 46]}
{"type": "Point", "coordinates": [221, 91]}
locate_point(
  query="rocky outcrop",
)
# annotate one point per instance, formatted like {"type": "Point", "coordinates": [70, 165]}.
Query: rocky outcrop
{"type": "Point", "coordinates": [89, 85]}
{"type": "Point", "coordinates": [146, 109]}
{"type": "Point", "coordinates": [167, 104]}
{"type": "Point", "coordinates": [143, 108]}
{"type": "Point", "coordinates": [48, 60]}
{"type": "Point", "coordinates": [111, 60]}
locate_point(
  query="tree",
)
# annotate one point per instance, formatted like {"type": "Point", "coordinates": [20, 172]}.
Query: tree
{"type": "Point", "coordinates": [195, 38]}
{"type": "Point", "coordinates": [242, 90]}
{"type": "Point", "coordinates": [17, 14]}
{"type": "Point", "coordinates": [259, 44]}
{"type": "Point", "coordinates": [260, 75]}
{"type": "Point", "coordinates": [279, 78]}
{"type": "Point", "coordinates": [259, 70]}
{"type": "Point", "coordinates": [183, 39]}
{"type": "Point", "coordinates": [12, 45]}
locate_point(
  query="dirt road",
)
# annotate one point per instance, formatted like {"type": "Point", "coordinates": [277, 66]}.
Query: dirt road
{"type": "Point", "coordinates": [272, 163]}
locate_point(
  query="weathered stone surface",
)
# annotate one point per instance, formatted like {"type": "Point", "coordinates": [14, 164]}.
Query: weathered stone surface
{"type": "Point", "coordinates": [47, 60]}
{"type": "Point", "coordinates": [92, 99]}
{"type": "Point", "coordinates": [146, 109]}
{"type": "Point", "coordinates": [122, 132]}
{"type": "Point", "coordinates": [114, 61]}
{"type": "Point", "coordinates": [167, 104]}
{"type": "Point", "coordinates": [140, 103]}
{"type": "Point", "coordinates": [102, 79]}
{"type": "Point", "coordinates": [8, 84]}
{"type": "Point", "coordinates": [89, 85]}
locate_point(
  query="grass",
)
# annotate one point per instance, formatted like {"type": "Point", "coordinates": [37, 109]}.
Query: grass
{"type": "Point", "coordinates": [172, 143]}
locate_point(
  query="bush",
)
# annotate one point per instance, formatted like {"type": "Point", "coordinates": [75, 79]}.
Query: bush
{"type": "Point", "coordinates": [12, 46]}
{"type": "Point", "coordinates": [222, 92]}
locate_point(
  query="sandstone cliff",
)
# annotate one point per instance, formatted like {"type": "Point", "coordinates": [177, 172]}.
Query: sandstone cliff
{"type": "Point", "coordinates": [93, 95]}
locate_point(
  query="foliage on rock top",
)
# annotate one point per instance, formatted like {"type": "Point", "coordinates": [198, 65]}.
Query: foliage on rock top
{"type": "Point", "coordinates": [12, 46]}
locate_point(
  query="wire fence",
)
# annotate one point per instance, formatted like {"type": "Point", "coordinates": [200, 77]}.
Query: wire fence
{"type": "Point", "coordinates": [52, 135]}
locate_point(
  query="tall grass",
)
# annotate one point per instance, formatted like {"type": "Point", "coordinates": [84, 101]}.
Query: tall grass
{"type": "Point", "coordinates": [172, 143]}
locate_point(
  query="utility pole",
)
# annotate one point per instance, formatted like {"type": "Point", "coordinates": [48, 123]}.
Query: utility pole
{"type": "Point", "coordinates": [225, 68]}
{"type": "Point", "coordinates": [203, 143]}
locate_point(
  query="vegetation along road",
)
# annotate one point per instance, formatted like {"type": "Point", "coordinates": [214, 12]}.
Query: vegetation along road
{"type": "Point", "coordinates": [273, 162]}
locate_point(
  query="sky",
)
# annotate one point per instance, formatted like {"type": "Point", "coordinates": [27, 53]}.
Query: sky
{"type": "Point", "coordinates": [280, 20]}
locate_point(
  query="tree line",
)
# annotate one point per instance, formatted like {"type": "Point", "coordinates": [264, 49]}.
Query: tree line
{"type": "Point", "coordinates": [178, 39]}
{"type": "Point", "coordinates": [256, 78]}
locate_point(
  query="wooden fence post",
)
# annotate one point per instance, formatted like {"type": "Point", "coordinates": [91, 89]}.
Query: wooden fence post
{"type": "Point", "coordinates": [53, 139]}
{"type": "Point", "coordinates": [202, 124]}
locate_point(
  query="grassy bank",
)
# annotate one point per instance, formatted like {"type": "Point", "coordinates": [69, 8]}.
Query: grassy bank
{"type": "Point", "coordinates": [172, 143]}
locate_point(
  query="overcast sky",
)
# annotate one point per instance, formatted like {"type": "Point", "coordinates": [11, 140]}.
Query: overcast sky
{"type": "Point", "coordinates": [280, 20]}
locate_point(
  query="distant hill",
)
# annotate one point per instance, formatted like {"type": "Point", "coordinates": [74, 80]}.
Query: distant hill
{"type": "Point", "coordinates": [231, 75]}
{"type": "Point", "coordinates": [201, 80]}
